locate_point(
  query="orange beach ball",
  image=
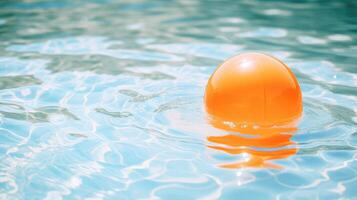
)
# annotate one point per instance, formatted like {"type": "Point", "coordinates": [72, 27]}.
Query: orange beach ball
{"type": "Point", "coordinates": [253, 88]}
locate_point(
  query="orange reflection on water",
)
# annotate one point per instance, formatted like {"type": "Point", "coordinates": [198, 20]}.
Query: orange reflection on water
{"type": "Point", "coordinates": [254, 146]}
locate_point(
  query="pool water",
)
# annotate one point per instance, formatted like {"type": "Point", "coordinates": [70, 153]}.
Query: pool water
{"type": "Point", "coordinates": [103, 99]}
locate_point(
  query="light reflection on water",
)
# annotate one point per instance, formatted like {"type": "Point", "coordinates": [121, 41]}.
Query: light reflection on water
{"type": "Point", "coordinates": [103, 99]}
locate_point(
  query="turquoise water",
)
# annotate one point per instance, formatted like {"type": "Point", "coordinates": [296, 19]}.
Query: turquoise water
{"type": "Point", "coordinates": [103, 99]}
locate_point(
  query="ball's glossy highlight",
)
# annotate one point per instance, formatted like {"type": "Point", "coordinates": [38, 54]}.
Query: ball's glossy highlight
{"type": "Point", "coordinates": [253, 89]}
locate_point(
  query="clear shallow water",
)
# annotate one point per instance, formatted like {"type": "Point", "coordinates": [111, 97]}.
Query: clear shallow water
{"type": "Point", "coordinates": [103, 99]}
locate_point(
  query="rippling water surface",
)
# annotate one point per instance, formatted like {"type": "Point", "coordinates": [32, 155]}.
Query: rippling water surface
{"type": "Point", "coordinates": [102, 99]}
